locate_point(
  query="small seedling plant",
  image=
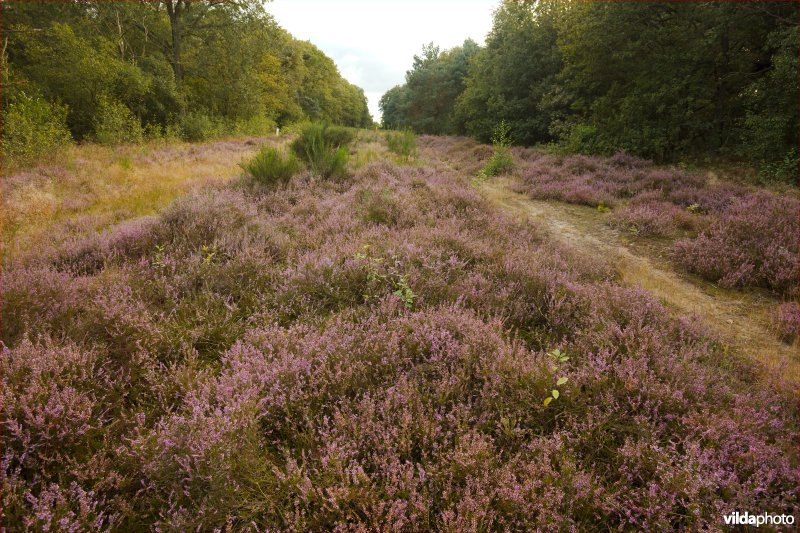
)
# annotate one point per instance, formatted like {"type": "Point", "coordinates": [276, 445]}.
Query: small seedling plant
{"type": "Point", "coordinates": [501, 161]}
{"type": "Point", "coordinates": [558, 358]}
{"type": "Point", "coordinates": [377, 272]}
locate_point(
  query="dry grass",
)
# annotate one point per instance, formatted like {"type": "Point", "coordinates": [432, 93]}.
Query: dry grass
{"type": "Point", "coordinates": [99, 186]}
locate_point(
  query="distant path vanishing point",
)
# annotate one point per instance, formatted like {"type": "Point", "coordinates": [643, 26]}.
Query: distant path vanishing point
{"type": "Point", "coordinates": [736, 317]}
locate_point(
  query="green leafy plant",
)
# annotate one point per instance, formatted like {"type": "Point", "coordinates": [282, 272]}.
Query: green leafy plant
{"type": "Point", "coordinates": [270, 166]}
{"type": "Point", "coordinates": [32, 128]}
{"type": "Point", "coordinates": [210, 253]}
{"type": "Point", "coordinates": [558, 357]}
{"type": "Point", "coordinates": [199, 127]}
{"type": "Point", "coordinates": [403, 143]}
{"type": "Point", "coordinates": [158, 257]}
{"type": "Point", "coordinates": [603, 208]}
{"type": "Point", "coordinates": [781, 170]}
{"type": "Point", "coordinates": [114, 123]}
{"type": "Point", "coordinates": [404, 292]}
{"type": "Point", "coordinates": [377, 272]}
{"type": "Point", "coordinates": [501, 162]}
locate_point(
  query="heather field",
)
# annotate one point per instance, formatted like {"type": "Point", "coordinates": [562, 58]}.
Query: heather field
{"type": "Point", "coordinates": [731, 234]}
{"type": "Point", "coordinates": [389, 349]}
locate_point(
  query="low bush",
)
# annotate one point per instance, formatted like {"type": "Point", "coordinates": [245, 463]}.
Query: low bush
{"type": "Point", "coordinates": [270, 166]}
{"type": "Point", "coordinates": [403, 143]}
{"type": "Point", "coordinates": [114, 123]}
{"type": "Point", "coordinates": [324, 148]}
{"type": "Point", "coordinates": [32, 128]}
{"type": "Point", "coordinates": [315, 134]}
{"type": "Point", "coordinates": [200, 127]}
{"type": "Point", "coordinates": [781, 170]}
{"type": "Point", "coordinates": [752, 243]}
{"type": "Point", "coordinates": [255, 125]}
{"type": "Point", "coordinates": [654, 219]}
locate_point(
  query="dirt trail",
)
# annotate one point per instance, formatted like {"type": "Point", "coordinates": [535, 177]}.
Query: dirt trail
{"type": "Point", "coordinates": [739, 318]}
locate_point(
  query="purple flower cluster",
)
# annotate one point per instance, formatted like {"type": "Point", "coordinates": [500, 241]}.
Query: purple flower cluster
{"type": "Point", "coordinates": [654, 218]}
{"type": "Point", "coordinates": [786, 318]}
{"type": "Point", "coordinates": [589, 180]}
{"type": "Point", "coordinates": [243, 362]}
{"type": "Point", "coordinates": [755, 242]}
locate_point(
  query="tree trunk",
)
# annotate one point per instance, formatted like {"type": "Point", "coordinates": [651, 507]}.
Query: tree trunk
{"type": "Point", "coordinates": [174, 13]}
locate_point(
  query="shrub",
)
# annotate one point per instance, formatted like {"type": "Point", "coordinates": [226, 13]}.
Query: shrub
{"type": "Point", "coordinates": [271, 166]}
{"type": "Point", "coordinates": [32, 128]}
{"type": "Point", "coordinates": [752, 243]}
{"type": "Point", "coordinates": [199, 127]}
{"type": "Point", "coordinates": [579, 139]}
{"type": "Point", "coordinates": [114, 123]}
{"type": "Point", "coordinates": [255, 125]}
{"type": "Point", "coordinates": [656, 219]}
{"type": "Point", "coordinates": [501, 162]}
{"type": "Point", "coordinates": [402, 143]}
{"type": "Point", "coordinates": [314, 134]}
{"type": "Point", "coordinates": [324, 148]}
{"type": "Point", "coordinates": [782, 170]}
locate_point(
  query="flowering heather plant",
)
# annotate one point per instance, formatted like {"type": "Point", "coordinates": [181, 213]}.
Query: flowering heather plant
{"type": "Point", "coordinates": [753, 243]}
{"type": "Point", "coordinates": [243, 368]}
{"type": "Point", "coordinates": [654, 219]}
{"type": "Point", "coordinates": [589, 179]}
{"type": "Point", "coordinates": [787, 321]}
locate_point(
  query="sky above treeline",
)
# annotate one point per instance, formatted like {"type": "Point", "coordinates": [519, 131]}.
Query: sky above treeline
{"type": "Point", "coordinates": [373, 42]}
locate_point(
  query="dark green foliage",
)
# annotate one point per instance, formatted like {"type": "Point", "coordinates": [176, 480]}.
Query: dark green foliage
{"type": "Point", "coordinates": [271, 166]}
{"type": "Point", "coordinates": [32, 128]}
{"type": "Point", "coordinates": [425, 103]}
{"type": "Point", "coordinates": [663, 80]}
{"type": "Point", "coordinates": [118, 68]}
{"type": "Point", "coordinates": [114, 123]}
{"type": "Point", "coordinates": [335, 136]}
{"type": "Point", "coordinates": [394, 107]}
{"type": "Point", "coordinates": [514, 76]}
{"type": "Point", "coordinates": [197, 126]}
{"type": "Point", "coordinates": [324, 148]}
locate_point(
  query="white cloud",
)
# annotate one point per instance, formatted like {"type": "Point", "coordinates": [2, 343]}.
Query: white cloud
{"type": "Point", "coordinates": [373, 42]}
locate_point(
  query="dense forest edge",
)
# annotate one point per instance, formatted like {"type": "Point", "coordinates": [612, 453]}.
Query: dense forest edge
{"type": "Point", "coordinates": [672, 82]}
{"type": "Point", "coordinates": [127, 72]}
{"type": "Point", "coordinates": [668, 81]}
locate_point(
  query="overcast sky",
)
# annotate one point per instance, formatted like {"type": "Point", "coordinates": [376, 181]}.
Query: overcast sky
{"type": "Point", "coordinates": [373, 42]}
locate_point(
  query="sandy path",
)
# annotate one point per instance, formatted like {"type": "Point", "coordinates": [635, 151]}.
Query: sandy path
{"type": "Point", "coordinates": [741, 319]}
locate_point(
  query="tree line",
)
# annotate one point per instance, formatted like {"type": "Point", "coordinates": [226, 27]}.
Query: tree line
{"type": "Point", "coordinates": [663, 80]}
{"type": "Point", "coordinates": [123, 71]}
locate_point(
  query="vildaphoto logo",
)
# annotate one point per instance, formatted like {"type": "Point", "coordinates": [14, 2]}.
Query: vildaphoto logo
{"type": "Point", "coordinates": [758, 520]}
